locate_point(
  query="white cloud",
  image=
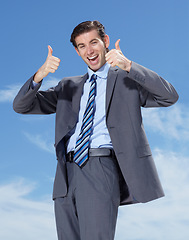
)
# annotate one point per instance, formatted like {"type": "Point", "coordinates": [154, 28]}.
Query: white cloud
{"type": "Point", "coordinates": [49, 82]}
{"type": "Point", "coordinates": [8, 94]}
{"type": "Point", "coordinates": [23, 218]}
{"type": "Point", "coordinates": [170, 122]}
{"type": "Point", "coordinates": [166, 218]}
{"type": "Point", "coordinates": [40, 141]}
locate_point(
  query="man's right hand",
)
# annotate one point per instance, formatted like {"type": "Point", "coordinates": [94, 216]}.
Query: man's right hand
{"type": "Point", "coordinates": [51, 65]}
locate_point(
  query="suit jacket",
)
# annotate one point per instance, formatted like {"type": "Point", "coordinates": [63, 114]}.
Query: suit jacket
{"type": "Point", "coordinates": [126, 93]}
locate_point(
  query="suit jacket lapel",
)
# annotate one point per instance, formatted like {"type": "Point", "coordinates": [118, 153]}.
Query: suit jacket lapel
{"type": "Point", "coordinates": [72, 111]}
{"type": "Point", "coordinates": [111, 79]}
{"type": "Point", "coordinates": [112, 75]}
{"type": "Point", "coordinates": [78, 93]}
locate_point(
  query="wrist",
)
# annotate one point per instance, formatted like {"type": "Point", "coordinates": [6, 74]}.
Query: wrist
{"type": "Point", "coordinates": [128, 65]}
{"type": "Point", "coordinates": [37, 77]}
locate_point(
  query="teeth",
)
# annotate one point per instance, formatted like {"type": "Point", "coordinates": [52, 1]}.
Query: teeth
{"type": "Point", "coordinates": [91, 58]}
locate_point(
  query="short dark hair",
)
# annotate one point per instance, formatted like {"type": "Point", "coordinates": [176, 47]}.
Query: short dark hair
{"type": "Point", "coordinates": [87, 26]}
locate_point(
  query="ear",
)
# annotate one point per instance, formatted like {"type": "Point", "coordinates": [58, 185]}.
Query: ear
{"type": "Point", "coordinates": [106, 41]}
{"type": "Point", "coordinates": [77, 51]}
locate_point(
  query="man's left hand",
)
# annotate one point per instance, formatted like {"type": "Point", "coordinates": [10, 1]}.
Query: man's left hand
{"type": "Point", "coordinates": [115, 57]}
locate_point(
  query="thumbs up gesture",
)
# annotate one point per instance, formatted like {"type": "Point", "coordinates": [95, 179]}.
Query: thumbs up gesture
{"type": "Point", "coordinates": [115, 57]}
{"type": "Point", "coordinates": [50, 66]}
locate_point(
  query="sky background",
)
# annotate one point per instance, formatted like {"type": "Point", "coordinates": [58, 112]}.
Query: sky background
{"type": "Point", "coordinates": [154, 34]}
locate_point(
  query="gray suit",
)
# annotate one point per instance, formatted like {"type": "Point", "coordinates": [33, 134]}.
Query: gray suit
{"type": "Point", "coordinates": [125, 94]}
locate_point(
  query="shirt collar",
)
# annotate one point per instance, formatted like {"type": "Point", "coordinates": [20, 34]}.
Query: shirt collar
{"type": "Point", "coordinates": [101, 73]}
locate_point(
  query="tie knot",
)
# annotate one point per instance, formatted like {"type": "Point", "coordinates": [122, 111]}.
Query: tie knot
{"type": "Point", "coordinates": [93, 77]}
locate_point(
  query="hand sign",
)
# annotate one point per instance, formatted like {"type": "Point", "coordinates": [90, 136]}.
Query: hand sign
{"type": "Point", "coordinates": [50, 66]}
{"type": "Point", "coordinates": [115, 57]}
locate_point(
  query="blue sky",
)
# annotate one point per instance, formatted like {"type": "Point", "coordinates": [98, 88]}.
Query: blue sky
{"type": "Point", "coordinates": [154, 34]}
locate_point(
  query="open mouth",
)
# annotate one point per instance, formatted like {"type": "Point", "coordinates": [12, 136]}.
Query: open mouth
{"type": "Point", "coordinates": [93, 59]}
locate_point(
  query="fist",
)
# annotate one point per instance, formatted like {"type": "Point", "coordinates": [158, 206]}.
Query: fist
{"type": "Point", "coordinates": [50, 66]}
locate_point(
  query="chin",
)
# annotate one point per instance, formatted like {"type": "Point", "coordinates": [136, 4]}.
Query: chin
{"type": "Point", "coordinates": [94, 68]}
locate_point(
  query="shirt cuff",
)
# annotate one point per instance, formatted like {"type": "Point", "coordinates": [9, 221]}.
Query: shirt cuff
{"type": "Point", "coordinates": [34, 84]}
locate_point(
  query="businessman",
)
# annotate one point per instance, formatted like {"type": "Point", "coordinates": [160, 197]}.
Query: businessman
{"type": "Point", "coordinates": [104, 159]}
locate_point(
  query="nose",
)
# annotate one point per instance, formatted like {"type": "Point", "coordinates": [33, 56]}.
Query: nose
{"type": "Point", "coordinates": [89, 50]}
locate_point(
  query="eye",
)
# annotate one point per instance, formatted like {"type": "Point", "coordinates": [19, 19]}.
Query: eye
{"type": "Point", "coordinates": [81, 47]}
{"type": "Point", "coordinates": [94, 42]}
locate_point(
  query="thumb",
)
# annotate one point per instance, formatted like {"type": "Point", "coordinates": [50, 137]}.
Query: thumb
{"type": "Point", "coordinates": [50, 51]}
{"type": "Point", "coordinates": [117, 45]}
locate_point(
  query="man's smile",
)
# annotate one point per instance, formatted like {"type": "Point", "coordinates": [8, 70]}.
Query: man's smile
{"type": "Point", "coordinates": [93, 59]}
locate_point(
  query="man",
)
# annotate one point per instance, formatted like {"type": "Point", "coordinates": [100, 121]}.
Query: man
{"type": "Point", "coordinates": [104, 159]}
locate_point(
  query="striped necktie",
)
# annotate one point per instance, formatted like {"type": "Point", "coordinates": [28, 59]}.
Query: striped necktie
{"type": "Point", "coordinates": [82, 143]}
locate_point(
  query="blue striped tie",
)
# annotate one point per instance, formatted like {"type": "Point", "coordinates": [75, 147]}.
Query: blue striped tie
{"type": "Point", "coordinates": [82, 143]}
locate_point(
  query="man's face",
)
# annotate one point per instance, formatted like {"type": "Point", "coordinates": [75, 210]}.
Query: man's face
{"type": "Point", "coordinates": [92, 49]}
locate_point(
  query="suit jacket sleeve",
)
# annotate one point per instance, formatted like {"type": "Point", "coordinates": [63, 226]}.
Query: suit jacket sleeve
{"type": "Point", "coordinates": [31, 101]}
{"type": "Point", "coordinates": [154, 90]}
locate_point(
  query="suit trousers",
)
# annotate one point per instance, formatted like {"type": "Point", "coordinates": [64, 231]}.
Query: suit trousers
{"type": "Point", "coordinates": [89, 210]}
